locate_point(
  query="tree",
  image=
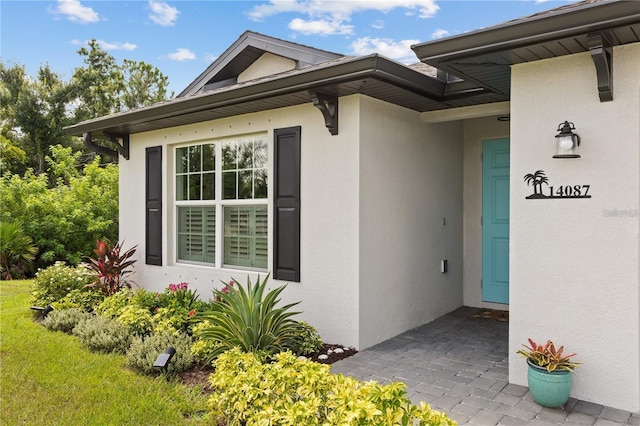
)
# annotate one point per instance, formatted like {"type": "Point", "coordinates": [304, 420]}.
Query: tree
{"type": "Point", "coordinates": [104, 87]}
{"type": "Point", "coordinates": [143, 84]}
{"type": "Point", "coordinates": [34, 111]}
{"type": "Point", "coordinates": [98, 84]}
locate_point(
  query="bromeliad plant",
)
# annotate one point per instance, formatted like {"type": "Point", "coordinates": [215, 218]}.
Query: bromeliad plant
{"type": "Point", "coordinates": [111, 267]}
{"type": "Point", "coordinates": [548, 357]}
{"type": "Point", "coordinates": [249, 319]}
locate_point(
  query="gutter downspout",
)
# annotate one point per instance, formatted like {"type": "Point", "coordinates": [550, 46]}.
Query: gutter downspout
{"type": "Point", "coordinates": [102, 150]}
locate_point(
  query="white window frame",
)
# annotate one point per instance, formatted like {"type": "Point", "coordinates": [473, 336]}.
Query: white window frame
{"type": "Point", "coordinates": [218, 203]}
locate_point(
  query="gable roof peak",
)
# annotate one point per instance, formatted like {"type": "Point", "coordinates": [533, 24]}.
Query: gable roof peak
{"type": "Point", "coordinates": [245, 51]}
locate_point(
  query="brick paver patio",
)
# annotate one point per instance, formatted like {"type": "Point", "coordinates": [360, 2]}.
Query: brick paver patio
{"type": "Point", "coordinates": [459, 365]}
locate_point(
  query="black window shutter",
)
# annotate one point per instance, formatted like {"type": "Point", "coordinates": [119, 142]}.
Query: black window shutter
{"type": "Point", "coordinates": [286, 233]}
{"type": "Point", "coordinates": [153, 238]}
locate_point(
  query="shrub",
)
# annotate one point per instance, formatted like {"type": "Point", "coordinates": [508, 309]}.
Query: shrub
{"type": "Point", "coordinates": [202, 350]}
{"type": "Point", "coordinates": [144, 351]}
{"type": "Point", "coordinates": [137, 320]}
{"type": "Point", "coordinates": [112, 306]}
{"type": "Point", "coordinates": [307, 339]}
{"type": "Point", "coordinates": [55, 282]}
{"type": "Point", "coordinates": [85, 299]}
{"type": "Point", "coordinates": [177, 308]}
{"type": "Point", "coordinates": [110, 268]}
{"type": "Point", "coordinates": [63, 218]}
{"type": "Point", "coordinates": [17, 251]}
{"type": "Point", "coordinates": [244, 318]}
{"type": "Point", "coordinates": [102, 334]}
{"type": "Point", "coordinates": [65, 320]}
{"type": "Point", "coordinates": [301, 392]}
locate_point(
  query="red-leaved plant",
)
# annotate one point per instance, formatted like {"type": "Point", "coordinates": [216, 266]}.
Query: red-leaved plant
{"type": "Point", "coordinates": [548, 357]}
{"type": "Point", "coordinates": [111, 267]}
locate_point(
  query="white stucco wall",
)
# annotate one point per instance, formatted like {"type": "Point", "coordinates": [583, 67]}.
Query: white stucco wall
{"type": "Point", "coordinates": [410, 185]}
{"type": "Point", "coordinates": [265, 65]}
{"type": "Point", "coordinates": [475, 131]}
{"type": "Point", "coordinates": [329, 221]}
{"type": "Point", "coordinates": [574, 263]}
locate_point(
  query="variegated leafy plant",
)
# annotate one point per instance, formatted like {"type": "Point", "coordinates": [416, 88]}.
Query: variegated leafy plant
{"type": "Point", "coordinates": [548, 356]}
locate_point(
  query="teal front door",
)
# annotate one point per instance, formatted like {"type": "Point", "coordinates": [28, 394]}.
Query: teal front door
{"type": "Point", "coordinates": [495, 220]}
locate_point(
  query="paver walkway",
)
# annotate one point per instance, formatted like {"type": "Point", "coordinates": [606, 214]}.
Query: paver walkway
{"type": "Point", "coordinates": [459, 365]}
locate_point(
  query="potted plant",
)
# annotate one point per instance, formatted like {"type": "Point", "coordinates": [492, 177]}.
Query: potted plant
{"type": "Point", "coordinates": [550, 373]}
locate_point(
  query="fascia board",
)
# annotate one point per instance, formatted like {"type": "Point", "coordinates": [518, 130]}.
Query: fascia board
{"type": "Point", "coordinates": [371, 66]}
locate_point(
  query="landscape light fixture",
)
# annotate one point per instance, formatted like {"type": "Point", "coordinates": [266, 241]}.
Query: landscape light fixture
{"type": "Point", "coordinates": [43, 311]}
{"type": "Point", "coordinates": [162, 362]}
{"type": "Point", "coordinates": [566, 141]}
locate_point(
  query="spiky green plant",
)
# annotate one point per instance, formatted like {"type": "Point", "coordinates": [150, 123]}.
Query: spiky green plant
{"type": "Point", "coordinates": [249, 319]}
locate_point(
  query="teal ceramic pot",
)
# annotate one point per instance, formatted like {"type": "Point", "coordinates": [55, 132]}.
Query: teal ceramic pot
{"type": "Point", "coordinates": [549, 389]}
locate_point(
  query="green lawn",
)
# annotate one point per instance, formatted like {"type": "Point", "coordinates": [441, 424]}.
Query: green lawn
{"type": "Point", "coordinates": [50, 378]}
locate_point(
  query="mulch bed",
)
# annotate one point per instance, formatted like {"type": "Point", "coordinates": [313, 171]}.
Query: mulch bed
{"type": "Point", "coordinates": [199, 375]}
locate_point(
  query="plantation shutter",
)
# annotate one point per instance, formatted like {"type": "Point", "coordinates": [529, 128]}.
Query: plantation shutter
{"type": "Point", "coordinates": [286, 241]}
{"type": "Point", "coordinates": [153, 238]}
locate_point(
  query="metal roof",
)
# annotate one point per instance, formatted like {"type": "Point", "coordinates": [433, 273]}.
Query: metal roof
{"type": "Point", "coordinates": [485, 56]}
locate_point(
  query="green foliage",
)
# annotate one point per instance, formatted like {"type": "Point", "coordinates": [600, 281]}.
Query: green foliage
{"type": "Point", "coordinates": [132, 308]}
{"type": "Point", "coordinates": [244, 318]}
{"type": "Point", "coordinates": [65, 320]}
{"type": "Point", "coordinates": [43, 374]}
{"type": "Point", "coordinates": [137, 320]}
{"type": "Point", "coordinates": [66, 213]}
{"type": "Point", "coordinates": [144, 351]}
{"type": "Point", "coordinates": [13, 159]}
{"type": "Point", "coordinates": [110, 267]}
{"type": "Point", "coordinates": [85, 299]}
{"type": "Point", "coordinates": [35, 109]}
{"type": "Point", "coordinates": [104, 87]}
{"type": "Point", "coordinates": [548, 356]}
{"type": "Point", "coordinates": [201, 349]}
{"type": "Point", "coordinates": [103, 334]}
{"type": "Point", "coordinates": [300, 392]}
{"type": "Point", "coordinates": [177, 309]}
{"type": "Point", "coordinates": [17, 251]}
{"type": "Point", "coordinates": [56, 282]}
{"type": "Point", "coordinates": [307, 340]}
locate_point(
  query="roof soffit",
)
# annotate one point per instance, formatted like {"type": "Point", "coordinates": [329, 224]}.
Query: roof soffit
{"type": "Point", "coordinates": [485, 56]}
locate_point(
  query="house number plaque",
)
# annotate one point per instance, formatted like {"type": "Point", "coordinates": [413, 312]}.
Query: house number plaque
{"type": "Point", "coordinates": [537, 179]}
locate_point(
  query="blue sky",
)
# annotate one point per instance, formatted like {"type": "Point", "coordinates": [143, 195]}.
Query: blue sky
{"type": "Point", "coordinates": [182, 37]}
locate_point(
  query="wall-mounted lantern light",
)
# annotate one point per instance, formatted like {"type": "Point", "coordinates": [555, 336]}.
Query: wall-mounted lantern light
{"type": "Point", "coordinates": [566, 141]}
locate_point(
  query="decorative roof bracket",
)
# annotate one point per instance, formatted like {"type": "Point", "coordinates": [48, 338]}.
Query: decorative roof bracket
{"type": "Point", "coordinates": [328, 106]}
{"type": "Point", "coordinates": [122, 149]}
{"type": "Point", "coordinates": [602, 55]}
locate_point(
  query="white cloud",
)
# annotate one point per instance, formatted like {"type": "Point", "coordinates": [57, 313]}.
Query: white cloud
{"type": "Point", "coordinates": [162, 13]}
{"type": "Point", "coordinates": [116, 45]}
{"type": "Point", "coordinates": [106, 45]}
{"type": "Point", "coordinates": [378, 24]}
{"type": "Point", "coordinates": [329, 17]}
{"type": "Point", "coordinates": [182, 54]}
{"type": "Point", "coordinates": [440, 33]}
{"type": "Point", "coordinates": [75, 12]}
{"type": "Point", "coordinates": [320, 27]}
{"type": "Point", "coordinates": [398, 50]}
